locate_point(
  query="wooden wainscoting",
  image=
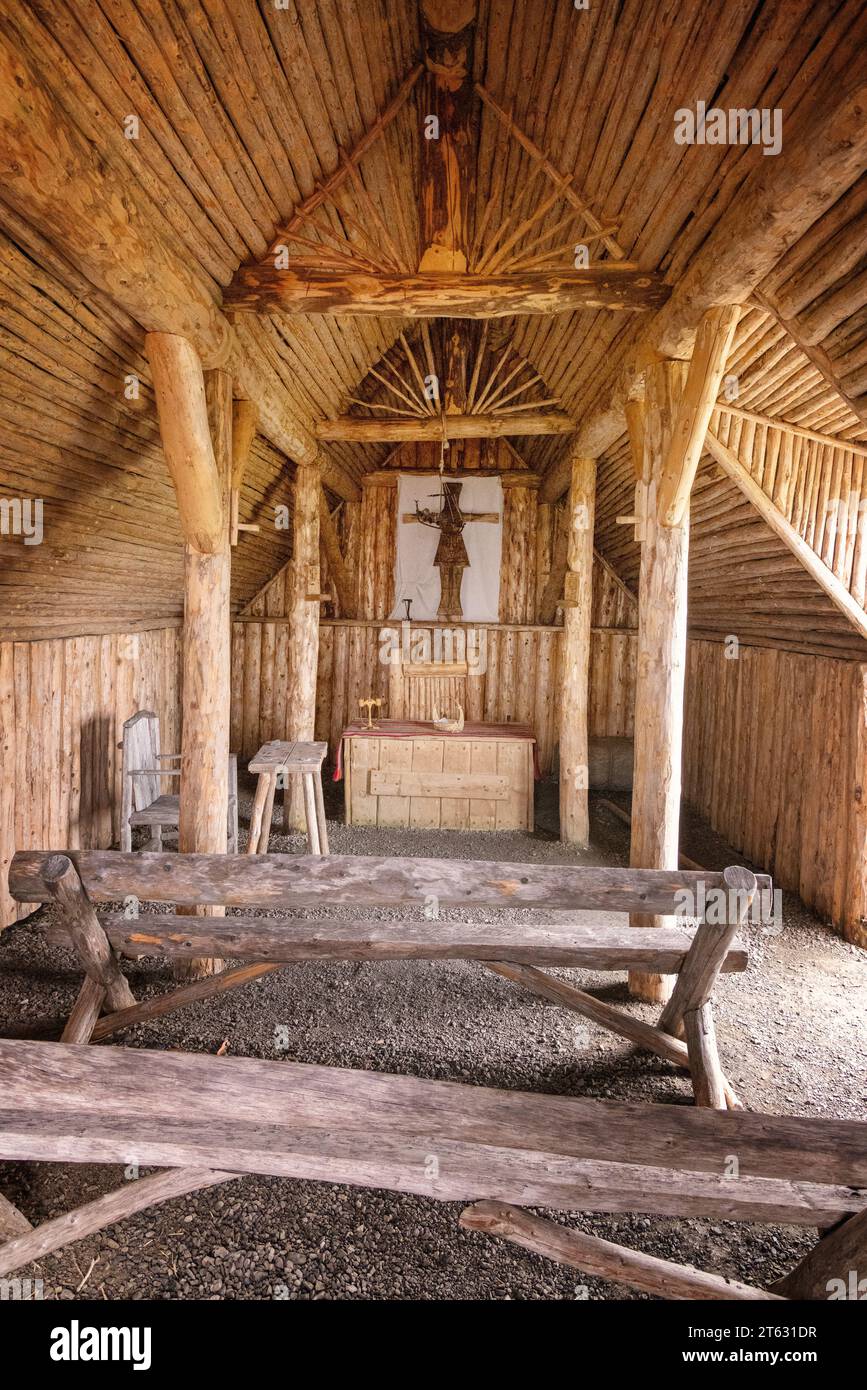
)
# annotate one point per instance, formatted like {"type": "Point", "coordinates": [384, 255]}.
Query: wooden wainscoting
{"type": "Point", "coordinates": [62, 703]}
{"type": "Point", "coordinates": [775, 756]}
{"type": "Point", "coordinates": [520, 682]}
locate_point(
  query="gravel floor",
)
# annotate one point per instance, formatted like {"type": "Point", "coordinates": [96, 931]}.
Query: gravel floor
{"type": "Point", "coordinates": [790, 1029]}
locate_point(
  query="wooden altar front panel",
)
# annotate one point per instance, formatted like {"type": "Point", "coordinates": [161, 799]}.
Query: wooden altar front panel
{"type": "Point", "coordinates": [479, 779]}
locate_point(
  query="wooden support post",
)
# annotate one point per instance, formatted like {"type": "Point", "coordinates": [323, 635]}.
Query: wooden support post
{"type": "Point", "coordinates": [578, 598]}
{"type": "Point", "coordinates": [712, 343]}
{"type": "Point", "coordinates": [341, 580]}
{"type": "Point", "coordinates": [196, 424]}
{"type": "Point", "coordinates": [88, 938]}
{"type": "Point", "coordinates": [602, 1258]}
{"type": "Point", "coordinates": [304, 631]}
{"type": "Point", "coordinates": [552, 593]}
{"type": "Point", "coordinates": [244, 417]}
{"type": "Point", "coordinates": [661, 664]}
{"type": "Point", "coordinates": [518, 570]}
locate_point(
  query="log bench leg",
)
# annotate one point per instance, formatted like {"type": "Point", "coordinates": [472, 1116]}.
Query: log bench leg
{"type": "Point", "coordinates": [257, 813]}
{"type": "Point", "coordinates": [12, 1221]}
{"type": "Point", "coordinates": [265, 832]}
{"type": "Point", "coordinates": [85, 1012]}
{"type": "Point", "coordinates": [708, 1081]}
{"type": "Point", "coordinates": [835, 1268]}
{"type": "Point", "coordinates": [310, 814]}
{"type": "Point", "coordinates": [320, 813]}
{"type": "Point", "coordinates": [688, 1011]}
{"type": "Point", "coordinates": [88, 937]}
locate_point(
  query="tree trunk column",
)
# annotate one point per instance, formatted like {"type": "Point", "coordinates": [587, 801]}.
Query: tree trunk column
{"type": "Point", "coordinates": [518, 571]}
{"type": "Point", "coordinates": [195, 414]}
{"type": "Point", "coordinates": [207, 657]}
{"type": "Point", "coordinates": [659, 688]}
{"type": "Point", "coordinates": [578, 598]}
{"type": "Point", "coordinates": [304, 629]}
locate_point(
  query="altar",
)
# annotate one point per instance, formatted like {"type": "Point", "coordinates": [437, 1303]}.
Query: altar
{"type": "Point", "coordinates": [414, 775]}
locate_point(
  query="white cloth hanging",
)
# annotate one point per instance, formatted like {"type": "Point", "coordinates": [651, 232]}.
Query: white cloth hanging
{"type": "Point", "coordinates": [416, 576]}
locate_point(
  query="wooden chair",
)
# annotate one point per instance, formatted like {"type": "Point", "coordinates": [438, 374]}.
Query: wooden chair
{"type": "Point", "coordinates": [513, 950]}
{"type": "Point", "coordinates": [143, 802]}
{"type": "Point", "coordinates": [205, 1120]}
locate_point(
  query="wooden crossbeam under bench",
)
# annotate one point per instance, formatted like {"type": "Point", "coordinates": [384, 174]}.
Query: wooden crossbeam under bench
{"type": "Point", "coordinates": [214, 1117]}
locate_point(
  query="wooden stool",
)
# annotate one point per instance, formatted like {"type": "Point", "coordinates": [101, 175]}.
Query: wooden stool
{"type": "Point", "coordinates": [292, 760]}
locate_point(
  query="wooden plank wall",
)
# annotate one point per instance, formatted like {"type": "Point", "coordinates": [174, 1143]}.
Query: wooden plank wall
{"type": "Point", "coordinates": [520, 683]}
{"type": "Point", "coordinates": [62, 704]}
{"type": "Point", "coordinates": [775, 758]}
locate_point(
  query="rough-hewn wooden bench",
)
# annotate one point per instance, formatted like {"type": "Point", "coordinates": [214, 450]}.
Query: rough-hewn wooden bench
{"type": "Point", "coordinates": [684, 1035]}
{"type": "Point", "coordinates": [206, 1119]}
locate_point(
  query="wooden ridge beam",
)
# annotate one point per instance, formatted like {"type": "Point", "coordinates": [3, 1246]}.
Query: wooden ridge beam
{"type": "Point", "coordinates": [447, 163]}
{"type": "Point", "coordinates": [263, 289]}
{"type": "Point", "coordinates": [783, 528]}
{"type": "Point", "coordinates": [398, 430]}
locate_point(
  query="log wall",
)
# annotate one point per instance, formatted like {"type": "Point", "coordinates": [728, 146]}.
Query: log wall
{"type": "Point", "coordinates": [520, 683]}
{"type": "Point", "coordinates": [775, 758]}
{"type": "Point", "coordinates": [62, 704]}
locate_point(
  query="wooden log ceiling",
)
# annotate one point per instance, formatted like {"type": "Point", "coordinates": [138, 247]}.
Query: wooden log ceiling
{"type": "Point", "coordinates": [485, 276]}
{"type": "Point", "coordinates": [552, 133]}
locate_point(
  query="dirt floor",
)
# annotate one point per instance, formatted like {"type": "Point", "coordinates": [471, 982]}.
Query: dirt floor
{"type": "Point", "coordinates": [791, 1033]}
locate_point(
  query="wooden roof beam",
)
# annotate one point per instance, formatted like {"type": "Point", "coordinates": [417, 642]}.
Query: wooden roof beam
{"type": "Point", "coordinates": [264, 289]}
{"type": "Point", "coordinates": [403, 430]}
{"type": "Point", "coordinates": [447, 161]}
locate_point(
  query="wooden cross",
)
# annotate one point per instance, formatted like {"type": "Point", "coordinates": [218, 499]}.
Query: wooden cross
{"type": "Point", "coordinates": [451, 558]}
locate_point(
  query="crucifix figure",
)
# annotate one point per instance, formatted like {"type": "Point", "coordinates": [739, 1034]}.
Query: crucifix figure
{"type": "Point", "coordinates": [451, 558]}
